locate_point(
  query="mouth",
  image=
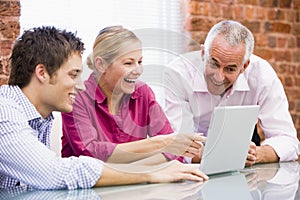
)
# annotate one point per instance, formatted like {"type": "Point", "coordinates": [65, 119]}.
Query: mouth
{"type": "Point", "coordinates": [218, 84]}
{"type": "Point", "coordinates": [129, 80]}
{"type": "Point", "coordinates": [72, 96]}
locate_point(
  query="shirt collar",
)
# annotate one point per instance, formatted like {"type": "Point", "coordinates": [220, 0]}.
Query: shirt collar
{"type": "Point", "coordinates": [31, 112]}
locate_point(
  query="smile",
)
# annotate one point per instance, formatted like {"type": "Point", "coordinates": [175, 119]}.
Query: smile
{"type": "Point", "coordinates": [216, 83]}
{"type": "Point", "coordinates": [129, 80]}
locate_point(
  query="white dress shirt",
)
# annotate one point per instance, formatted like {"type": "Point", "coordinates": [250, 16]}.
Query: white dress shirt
{"type": "Point", "coordinates": [189, 105]}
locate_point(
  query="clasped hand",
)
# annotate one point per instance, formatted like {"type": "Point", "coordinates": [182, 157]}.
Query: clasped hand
{"type": "Point", "coordinates": [185, 144]}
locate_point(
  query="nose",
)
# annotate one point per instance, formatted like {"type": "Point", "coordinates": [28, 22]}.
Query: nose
{"type": "Point", "coordinates": [138, 70]}
{"type": "Point", "coordinates": [219, 75]}
{"type": "Point", "coordinates": [79, 86]}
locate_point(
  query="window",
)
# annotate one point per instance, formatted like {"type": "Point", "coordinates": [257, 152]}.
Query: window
{"type": "Point", "coordinates": [158, 23]}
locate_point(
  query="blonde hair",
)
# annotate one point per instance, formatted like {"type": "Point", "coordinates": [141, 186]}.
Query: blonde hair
{"type": "Point", "coordinates": [109, 42]}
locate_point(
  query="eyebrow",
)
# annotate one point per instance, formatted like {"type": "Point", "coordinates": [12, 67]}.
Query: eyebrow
{"type": "Point", "coordinates": [233, 65]}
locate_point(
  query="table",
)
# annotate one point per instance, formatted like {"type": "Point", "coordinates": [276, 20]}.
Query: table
{"type": "Point", "coordinates": [274, 181]}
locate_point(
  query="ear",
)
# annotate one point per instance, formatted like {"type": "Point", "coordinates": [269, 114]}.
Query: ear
{"type": "Point", "coordinates": [245, 66]}
{"type": "Point", "coordinates": [202, 51]}
{"type": "Point", "coordinates": [41, 73]}
{"type": "Point", "coordinates": [99, 64]}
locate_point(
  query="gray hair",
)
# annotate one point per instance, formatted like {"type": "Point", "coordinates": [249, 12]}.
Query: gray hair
{"type": "Point", "coordinates": [234, 33]}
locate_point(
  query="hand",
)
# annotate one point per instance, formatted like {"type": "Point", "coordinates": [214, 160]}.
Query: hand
{"type": "Point", "coordinates": [251, 157]}
{"type": "Point", "coordinates": [175, 171]}
{"type": "Point", "coordinates": [184, 144]}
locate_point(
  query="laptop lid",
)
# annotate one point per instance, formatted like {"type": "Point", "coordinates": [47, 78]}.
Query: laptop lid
{"type": "Point", "coordinates": [228, 139]}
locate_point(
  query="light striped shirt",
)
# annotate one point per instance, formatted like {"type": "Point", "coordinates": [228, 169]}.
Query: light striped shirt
{"type": "Point", "coordinates": [25, 157]}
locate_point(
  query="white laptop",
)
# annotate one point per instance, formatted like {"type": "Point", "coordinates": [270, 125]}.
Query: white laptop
{"type": "Point", "coordinates": [228, 139]}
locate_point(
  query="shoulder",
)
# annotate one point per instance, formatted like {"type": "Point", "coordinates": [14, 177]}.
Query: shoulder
{"type": "Point", "coordinates": [142, 89]}
{"type": "Point", "coordinates": [187, 62]}
{"type": "Point", "coordinates": [260, 71]}
{"type": "Point", "coordinates": [10, 103]}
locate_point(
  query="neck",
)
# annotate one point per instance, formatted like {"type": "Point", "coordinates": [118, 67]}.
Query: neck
{"type": "Point", "coordinates": [113, 100]}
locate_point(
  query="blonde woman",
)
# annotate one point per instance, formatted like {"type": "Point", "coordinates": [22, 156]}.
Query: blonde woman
{"type": "Point", "coordinates": [117, 118]}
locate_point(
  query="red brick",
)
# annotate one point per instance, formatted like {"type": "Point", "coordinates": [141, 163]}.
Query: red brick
{"type": "Point", "coordinates": [227, 11]}
{"type": "Point", "coordinates": [195, 23]}
{"type": "Point", "coordinates": [281, 42]}
{"type": "Point", "coordinates": [296, 56]}
{"type": "Point", "coordinates": [285, 3]}
{"type": "Point", "coordinates": [216, 10]}
{"type": "Point", "coordinates": [275, 14]}
{"type": "Point", "coordinates": [260, 40]}
{"type": "Point", "coordinates": [10, 29]}
{"type": "Point", "coordinates": [199, 8]}
{"type": "Point", "coordinates": [278, 27]}
{"type": "Point", "coordinates": [282, 56]}
{"type": "Point", "coordinates": [288, 81]}
{"type": "Point", "coordinates": [264, 53]}
{"type": "Point", "coordinates": [10, 8]}
{"type": "Point", "coordinates": [296, 4]}
{"type": "Point", "coordinates": [223, 1]}
{"type": "Point", "coordinates": [247, 2]}
{"type": "Point", "coordinates": [238, 12]}
{"type": "Point", "coordinates": [280, 68]}
{"type": "Point", "coordinates": [268, 3]}
{"type": "Point", "coordinates": [272, 41]}
{"type": "Point", "coordinates": [250, 12]}
{"type": "Point", "coordinates": [261, 13]}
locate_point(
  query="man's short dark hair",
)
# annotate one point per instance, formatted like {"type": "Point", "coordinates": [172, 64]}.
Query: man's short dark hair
{"type": "Point", "coordinates": [42, 45]}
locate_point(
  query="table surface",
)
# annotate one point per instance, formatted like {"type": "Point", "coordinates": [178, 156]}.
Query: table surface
{"type": "Point", "coordinates": [263, 181]}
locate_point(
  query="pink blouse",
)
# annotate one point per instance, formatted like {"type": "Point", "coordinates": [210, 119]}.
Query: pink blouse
{"type": "Point", "coordinates": [92, 131]}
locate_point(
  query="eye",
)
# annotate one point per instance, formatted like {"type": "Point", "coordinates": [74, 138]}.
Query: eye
{"type": "Point", "coordinates": [128, 63]}
{"type": "Point", "coordinates": [230, 69]}
{"type": "Point", "coordinates": [140, 62]}
{"type": "Point", "coordinates": [74, 74]}
{"type": "Point", "coordinates": [212, 64]}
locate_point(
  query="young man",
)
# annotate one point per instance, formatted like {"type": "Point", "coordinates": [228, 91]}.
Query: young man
{"type": "Point", "coordinates": [46, 65]}
{"type": "Point", "coordinates": [226, 73]}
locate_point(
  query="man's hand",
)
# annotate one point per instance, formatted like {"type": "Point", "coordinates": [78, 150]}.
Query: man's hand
{"type": "Point", "coordinates": [176, 171]}
{"type": "Point", "coordinates": [261, 154]}
{"type": "Point", "coordinates": [251, 157]}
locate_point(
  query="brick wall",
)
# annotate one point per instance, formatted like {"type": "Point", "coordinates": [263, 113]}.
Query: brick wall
{"type": "Point", "coordinates": [9, 31]}
{"type": "Point", "coordinates": [276, 28]}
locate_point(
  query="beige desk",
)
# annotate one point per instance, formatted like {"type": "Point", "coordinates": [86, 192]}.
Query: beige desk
{"type": "Point", "coordinates": [275, 181]}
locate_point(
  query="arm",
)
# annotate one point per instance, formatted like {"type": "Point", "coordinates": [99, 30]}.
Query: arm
{"type": "Point", "coordinates": [281, 141]}
{"type": "Point", "coordinates": [261, 154]}
{"type": "Point", "coordinates": [176, 143]}
{"type": "Point", "coordinates": [27, 160]}
{"type": "Point", "coordinates": [167, 172]}
{"type": "Point", "coordinates": [86, 136]}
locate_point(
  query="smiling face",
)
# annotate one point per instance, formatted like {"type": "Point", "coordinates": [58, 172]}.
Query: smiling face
{"type": "Point", "coordinates": [63, 86]}
{"type": "Point", "coordinates": [224, 65]}
{"type": "Point", "coordinates": [119, 77]}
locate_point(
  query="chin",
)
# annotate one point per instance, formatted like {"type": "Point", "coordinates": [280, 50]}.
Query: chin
{"type": "Point", "coordinates": [67, 109]}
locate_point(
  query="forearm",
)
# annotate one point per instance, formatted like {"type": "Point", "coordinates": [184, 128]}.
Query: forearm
{"type": "Point", "coordinates": [266, 154]}
{"type": "Point", "coordinates": [113, 175]}
{"type": "Point", "coordinates": [152, 160]}
{"type": "Point", "coordinates": [133, 151]}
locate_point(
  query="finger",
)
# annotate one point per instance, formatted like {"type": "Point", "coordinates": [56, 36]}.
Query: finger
{"type": "Point", "coordinates": [188, 154]}
{"type": "Point", "coordinates": [196, 145]}
{"type": "Point", "coordinates": [192, 150]}
{"type": "Point", "coordinates": [196, 171]}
